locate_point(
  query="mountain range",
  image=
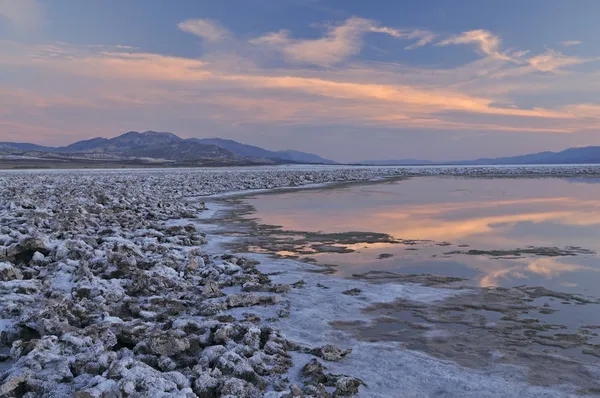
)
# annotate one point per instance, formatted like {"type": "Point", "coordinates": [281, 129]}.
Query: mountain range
{"type": "Point", "coordinates": [157, 148]}
{"type": "Point", "coordinates": [580, 155]}
{"type": "Point", "coordinates": [154, 148]}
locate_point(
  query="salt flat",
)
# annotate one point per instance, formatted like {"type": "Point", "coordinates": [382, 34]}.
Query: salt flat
{"type": "Point", "coordinates": [111, 286]}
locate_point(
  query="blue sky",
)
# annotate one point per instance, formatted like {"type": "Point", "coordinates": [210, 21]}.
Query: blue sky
{"type": "Point", "coordinates": [350, 80]}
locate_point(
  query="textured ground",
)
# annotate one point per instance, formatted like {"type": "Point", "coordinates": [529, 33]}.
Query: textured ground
{"type": "Point", "coordinates": [107, 290]}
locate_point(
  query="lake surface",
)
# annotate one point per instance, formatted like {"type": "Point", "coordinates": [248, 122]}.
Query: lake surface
{"type": "Point", "coordinates": [448, 217]}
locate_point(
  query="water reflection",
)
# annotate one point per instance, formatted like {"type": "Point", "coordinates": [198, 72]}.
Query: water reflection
{"type": "Point", "coordinates": [483, 214]}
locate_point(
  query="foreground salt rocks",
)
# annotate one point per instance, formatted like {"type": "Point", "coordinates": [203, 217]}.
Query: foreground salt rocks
{"type": "Point", "coordinates": [105, 291]}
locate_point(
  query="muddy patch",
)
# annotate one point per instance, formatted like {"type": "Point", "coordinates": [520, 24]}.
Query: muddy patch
{"type": "Point", "coordinates": [493, 326]}
{"type": "Point", "coordinates": [528, 251]}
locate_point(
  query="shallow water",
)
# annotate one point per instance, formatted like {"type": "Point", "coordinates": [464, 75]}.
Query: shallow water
{"type": "Point", "coordinates": [456, 214]}
{"type": "Point", "coordinates": [541, 337]}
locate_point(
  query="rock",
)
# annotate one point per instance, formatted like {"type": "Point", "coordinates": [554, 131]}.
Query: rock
{"type": "Point", "coordinates": [122, 261]}
{"type": "Point", "coordinates": [253, 318]}
{"type": "Point", "coordinates": [352, 292]}
{"type": "Point", "coordinates": [281, 288]}
{"type": "Point", "coordinates": [192, 263]}
{"type": "Point", "coordinates": [253, 287]}
{"type": "Point", "coordinates": [314, 371]}
{"type": "Point", "coordinates": [330, 353]}
{"type": "Point", "coordinates": [242, 300]}
{"type": "Point", "coordinates": [268, 365]}
{"type": "Point", "coordinates": [211, 290]}
{"type": "Point", "coordinates": [250, 299]}
{"type": "Point", "coordinates": [166, 364]}
{"type": "Point", "coordinates": [83, 292]}
{"type": "Point", "coordinates": [252, 338]}
{"type": "Point", "coordinates": [284, 312]}
{"type": "Point", "coordinates": [274, 347]}
{"type": "Point", "coordinates": [212, 308]}
{"type": "Point", "coordinates": [13, 385]}
{"type": "Point", "coordinates": [37, 258]}
{"type": "Point", "coordinates": [211, 354]}
{"type": "Point", "coordinates": [23, 251]}
{"type": "Point", "coordinates": [206, 385]}
{"type": "Point", "coordinates": [299, 284]}
{"type": "Point", "coordinates": [236, 388]}
{"type": "Point", "coordinates": [135, 378]}
{"type": "Point", "coordinates": [295, 391]}
{"type": "Point", "coordinates": [318, 391]}
{"type": "Point", "coordinates": [225, 333]}
{"type": "Point", "coordinates": [8, 272]}
{"type": "Point", "coordinates": [265, 287]}
{"type": "Point", "coordinates": [230, 363]}
{"type": "Point", "coordinates": [168, 344]}
{"type": "Point", "coordinates": [99, 387]}
{"type": "Point", "coordinates": [226, 318]}
{"type": "Point", "coordinates": [247, 263]}
{"type": "Point", "coordinates": [346, 386]}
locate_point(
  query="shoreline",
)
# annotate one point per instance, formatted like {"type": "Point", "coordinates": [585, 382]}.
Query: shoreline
{"type": "Point", "coordinates": [372, 297]}
{"type": "Point", "coordinates": [115, 283]}
{"type": "Point", "coordinates": [326, 293]}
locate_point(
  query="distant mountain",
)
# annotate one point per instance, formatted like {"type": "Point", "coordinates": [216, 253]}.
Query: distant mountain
{"type": "Point", "coordinates": [150, 144]}
{"type": "Point", "coordinates": [82, 146]}
{"type": "Point", "coordinates": [154, 147]}
{"type": "Point", "coordinates": [23, 146]}
{"type": "Point", "coordinates": [302, 157]}
{"type": "Point", "coordinates": [589, 155]}
{"type": "Point", "coordinates": [235, 147]}
{"type": "Point", "coordinates": [257, 152]}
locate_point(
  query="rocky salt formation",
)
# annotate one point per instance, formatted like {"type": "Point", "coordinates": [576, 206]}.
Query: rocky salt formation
{"type": "Point", "coordinates": [106, 291]}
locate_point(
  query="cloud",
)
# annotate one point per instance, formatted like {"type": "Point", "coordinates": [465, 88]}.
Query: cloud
{"type": "Point", "coordinates": [108, 62]}
{"type": "Point", "coordinates": [569, 43]}
{"type": "Point", "coordinates": [209, 30]}
{"type": "Point", "coordinates": [489, 44]}
{"type": "Point", "coordinates": [338, 44]}
{"type": "Point", "coordinates": [33, 99]}
{"type": "Point", "coordinates": [121, 86]}
{"type": "Point", "coordinates": [590, 111]}
{"type": "Point", "coordinates": [486, 42]}
{"type": "Point", "coordinates": [106, 77]}
{"type": "Point", "coordinates": [22, 15]}
{"type": "Point", "coordinates": [552, 61]}
{"type": "Point", "coordinates": [414, 99]}
{"type": "Point", "coordinates": [423, 37]}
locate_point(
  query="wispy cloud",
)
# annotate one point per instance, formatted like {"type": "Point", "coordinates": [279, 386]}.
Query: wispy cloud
{"type": "Point", "coordinates": [569, 43]}
{"type": "Point", "coordinates": [209, 30]}
{"type": "Point", "coordinates": [300, 96]}
{"type": "Point", "coordinates": [487, 43]}
{"type": "Point", "coordinates": [552, 61]}
{"type": "Point", "coordinates": [114, 62]}
{"type": "Point", "coordinates": [339, 43]}
{"type": "Point", "coordinates": [121, 85]}
{"type": "Point", "coordinates": [490, 45]}
{"type": "Point", "coordinates": [422, 37]}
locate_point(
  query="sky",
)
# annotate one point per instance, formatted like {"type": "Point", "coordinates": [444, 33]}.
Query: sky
{"type": "Point", "coordinates": [349, 80]}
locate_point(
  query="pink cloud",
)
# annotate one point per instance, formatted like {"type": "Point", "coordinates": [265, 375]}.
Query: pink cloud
{"type": "Point", "coordinates": [338, 44]}
{"type": "Point", "coordinates": [207, 29]}
{"type": "Point", "coordinates": [110, 82]}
